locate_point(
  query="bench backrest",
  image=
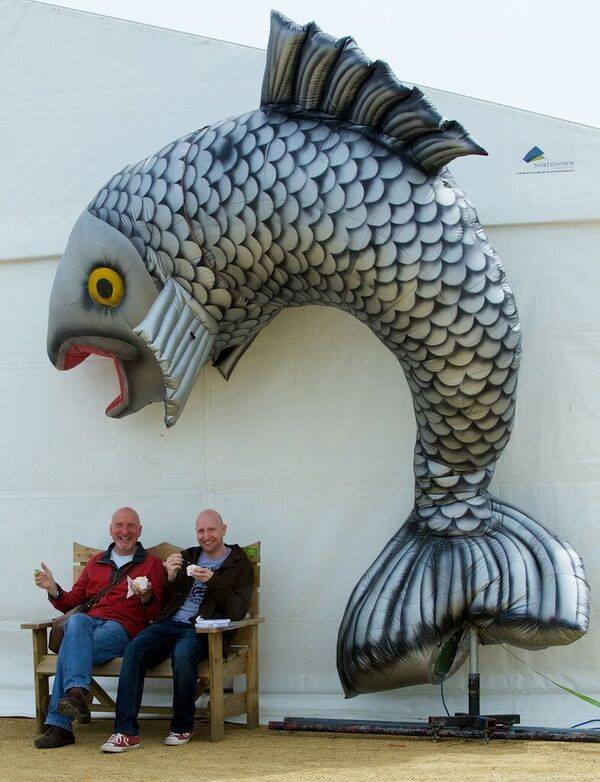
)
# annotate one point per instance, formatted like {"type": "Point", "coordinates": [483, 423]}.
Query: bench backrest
{"type": "Point", "coordinates": [83, 554]}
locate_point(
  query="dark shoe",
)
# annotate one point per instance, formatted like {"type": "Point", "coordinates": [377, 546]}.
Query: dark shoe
{"type": "Point", "coordinates": [55, 737]}
{"type": "Point", "coordinates": [75, 704]}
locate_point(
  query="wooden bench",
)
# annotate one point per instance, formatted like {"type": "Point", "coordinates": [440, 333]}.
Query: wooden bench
{"type": "Point", "coordinates": [241, 659]}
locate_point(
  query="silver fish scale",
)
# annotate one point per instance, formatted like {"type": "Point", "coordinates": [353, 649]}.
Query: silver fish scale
{"type": "Point", "coordinates": [270, 210]}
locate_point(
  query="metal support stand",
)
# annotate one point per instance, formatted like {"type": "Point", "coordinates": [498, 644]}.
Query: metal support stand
{"type": "Point", "coordinates": [474, 720]}
{"type": "Point", "coordinates": [474, 683]}
{"type": "Point", "coordinates": [461, 725]}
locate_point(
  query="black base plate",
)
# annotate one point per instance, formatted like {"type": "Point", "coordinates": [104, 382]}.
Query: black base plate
{"type": "Point", "coordinates": [431, 730]}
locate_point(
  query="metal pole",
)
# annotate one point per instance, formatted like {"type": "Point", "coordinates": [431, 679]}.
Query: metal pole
{"type": "Point", "coordinates": [474, 705]}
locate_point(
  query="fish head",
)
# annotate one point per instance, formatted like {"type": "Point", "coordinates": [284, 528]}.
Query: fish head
{"type": "Point", "coordinates": [101, 291]}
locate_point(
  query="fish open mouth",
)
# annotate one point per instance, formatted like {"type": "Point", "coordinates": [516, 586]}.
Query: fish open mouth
{"type": "Point", "coordinates": [76, 349]}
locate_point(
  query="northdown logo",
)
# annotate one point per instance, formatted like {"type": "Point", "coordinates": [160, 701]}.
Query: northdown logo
{"type": "Point", "coordinates": [536, 162]}
{"type": "Point", "coordinates": [535, 153]}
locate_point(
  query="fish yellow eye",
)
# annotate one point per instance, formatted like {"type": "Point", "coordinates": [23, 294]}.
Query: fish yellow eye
{"type": "Point", "coordinates": [106, 286]}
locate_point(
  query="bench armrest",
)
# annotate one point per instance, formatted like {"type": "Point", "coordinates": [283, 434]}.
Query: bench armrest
{"type": "Point", "coordinates": [254, 620]}
{"type": "Point", "coordinates": [36, 625]}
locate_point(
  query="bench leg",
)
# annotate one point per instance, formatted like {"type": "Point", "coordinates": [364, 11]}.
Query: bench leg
{"type": "Point", "coordinates": [252, 679]}
{"type": "Point", "coordinates": [217, 702]}
{"type": "Point", "coordinates": [42, 690]}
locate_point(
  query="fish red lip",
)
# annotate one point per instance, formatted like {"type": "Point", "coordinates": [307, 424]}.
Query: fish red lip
{"type": "Point", "coordinates": [74, 351]}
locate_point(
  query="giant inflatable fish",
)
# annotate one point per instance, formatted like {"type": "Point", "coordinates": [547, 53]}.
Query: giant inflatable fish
{"type": "Point", "coordinates": [336, 192]}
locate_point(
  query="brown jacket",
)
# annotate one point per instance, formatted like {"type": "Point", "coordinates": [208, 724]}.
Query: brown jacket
{"type": "Point", "coordinates": [228, 592]}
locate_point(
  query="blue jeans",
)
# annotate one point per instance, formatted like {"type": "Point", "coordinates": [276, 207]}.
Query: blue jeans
{"type": "Point", "coordinates": [87, 641]}
{"type": "Point", "coordinates": [152, 646]}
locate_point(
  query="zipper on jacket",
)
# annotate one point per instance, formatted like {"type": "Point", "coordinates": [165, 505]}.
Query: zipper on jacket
{"type": "Point", "coordinates": [118, 571]}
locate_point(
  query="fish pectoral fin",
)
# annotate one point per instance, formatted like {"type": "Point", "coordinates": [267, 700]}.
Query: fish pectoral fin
{"type": "Point", "coordinates": [181, 334]}
{"type": "Point", "coordinates": [227, 359]}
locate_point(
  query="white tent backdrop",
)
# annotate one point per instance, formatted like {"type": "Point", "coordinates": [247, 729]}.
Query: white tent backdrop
{"type": "Point", "coordinates": [309, 446]}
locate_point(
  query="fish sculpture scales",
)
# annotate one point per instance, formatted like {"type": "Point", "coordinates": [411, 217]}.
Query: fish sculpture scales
{"type": "Point", "coordinates": [336, 192]}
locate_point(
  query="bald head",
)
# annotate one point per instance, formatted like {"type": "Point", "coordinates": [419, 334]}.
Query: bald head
{"type": "Point", "coordinates": [210, 531]}
{"type": "Point", "coordinates": [125, 529]}
{"type": "Point", "coordinates": [210, 515]}
{"type": "Point", "coordinates": [125, 514]}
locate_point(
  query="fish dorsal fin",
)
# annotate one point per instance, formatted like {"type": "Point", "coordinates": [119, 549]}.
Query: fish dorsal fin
{"type": "Point", "coordinates": [181, 334]}
{"type": "Point", "coordinates": [311, 71]}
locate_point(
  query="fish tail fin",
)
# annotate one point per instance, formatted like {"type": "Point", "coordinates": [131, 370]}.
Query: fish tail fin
{"type": "Point", "coordinates": [312, 71]}
{"type": "Point", "coordinates": [407, 619]}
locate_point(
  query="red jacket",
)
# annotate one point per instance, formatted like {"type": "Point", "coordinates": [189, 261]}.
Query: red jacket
{"type": "Point", "coordinates": [129, 611]}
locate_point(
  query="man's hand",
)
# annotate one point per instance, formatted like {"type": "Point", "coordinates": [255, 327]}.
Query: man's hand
{"type": "Point", "coordinates": [202, 574]}
{"type": "Point", "coordinates": [143, 594]}
{"type": "Point", "coordinates": [45, 580]}
{"type": "Point", "coordinates": [172, 564]}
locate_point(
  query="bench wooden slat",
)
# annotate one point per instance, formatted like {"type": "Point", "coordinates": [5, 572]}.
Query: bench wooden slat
{"type": "Point", "coordinates": [164, 549]}
{"type": "Point", "coordinates": [234, 664]}
{"type": "Point", "coordinates": [166, 710]}
{"type": "Point", "coordinates": [235, 704]}
{"type": "Point", "coordinates": [252, 620]}
{"type": "Point", "coordinates": [83, 553]}
{"type": "Point", "coordinates": [36, 625]}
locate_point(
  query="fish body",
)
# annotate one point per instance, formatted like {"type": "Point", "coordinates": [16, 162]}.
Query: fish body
{"type": "Point", "coordinates": [336, 192]}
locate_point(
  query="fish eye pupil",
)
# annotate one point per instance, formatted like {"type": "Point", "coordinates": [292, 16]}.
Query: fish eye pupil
{"type": "Point", "coordinates": [104, 288]}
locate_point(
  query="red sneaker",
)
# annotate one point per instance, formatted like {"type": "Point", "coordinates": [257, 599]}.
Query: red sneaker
{"type": "Point", "coordinates": [175, 739]}
{"type": "Point", "coordinates": [120, 742]}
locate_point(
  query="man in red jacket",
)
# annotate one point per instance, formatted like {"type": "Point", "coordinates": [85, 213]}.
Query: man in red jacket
{"type": "Point", "coordinates": [103, 632]}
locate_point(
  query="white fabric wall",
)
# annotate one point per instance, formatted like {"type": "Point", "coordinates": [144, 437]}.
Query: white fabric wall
{"type": "Point", "coordinates": [309, 446]}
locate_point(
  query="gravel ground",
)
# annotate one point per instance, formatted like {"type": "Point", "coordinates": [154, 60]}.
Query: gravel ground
{"type": "Point", "coordinates": [302, 757]}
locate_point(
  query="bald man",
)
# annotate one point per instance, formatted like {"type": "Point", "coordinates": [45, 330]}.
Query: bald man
{"type": "Point", "coordinates": [103, 632]}
{"type": "Point", "coordinates": [212, 580]}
